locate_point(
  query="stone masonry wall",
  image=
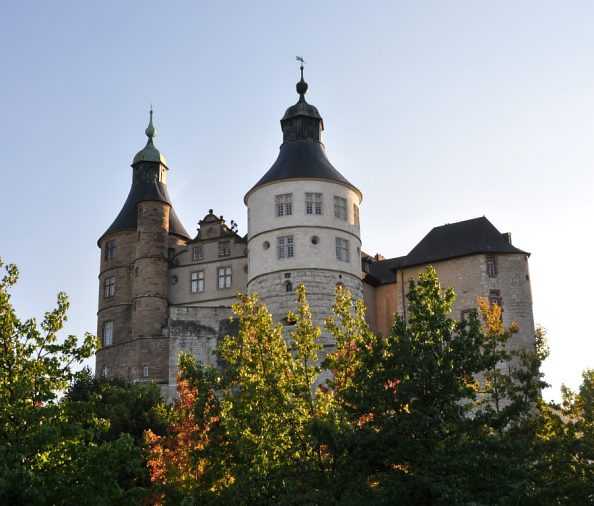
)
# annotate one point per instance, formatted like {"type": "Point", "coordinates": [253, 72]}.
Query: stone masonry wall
{"type": "Point", "coordinates": [149, 304]}
{"type": "Point", "coordinates": [320, 288]}
{"type": "Point", "coordinates": [196, 330]}
{"type": "Point", "coordinates": [468, 276]}
{"type": "Point", "coordinates": [128, 360]}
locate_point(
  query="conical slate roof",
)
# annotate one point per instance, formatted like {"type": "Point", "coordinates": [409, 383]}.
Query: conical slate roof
{"type": "Point", "coordinates": [302, 155]}
{"type": "Point", "coordinates": [143, 190]}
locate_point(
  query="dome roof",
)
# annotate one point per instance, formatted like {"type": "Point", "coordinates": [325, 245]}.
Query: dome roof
{"type": "Point", "coordinates": [149, 154]}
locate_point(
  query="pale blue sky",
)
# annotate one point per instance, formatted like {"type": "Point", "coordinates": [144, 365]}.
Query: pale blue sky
{"type": "Point", "coordinates": [438, 111]}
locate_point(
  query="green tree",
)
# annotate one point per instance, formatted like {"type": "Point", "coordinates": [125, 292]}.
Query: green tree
{"type": "Point", "coordinates": [127, 407]}
{"type": "Point", "coordinates": [562, 454]}
{"type": "Point", "coordinates": [48, 453]}
{"type": "Point", "coordinates": [439, 412]}
{"type": "Point", "coordinates": [409, 397]}
{"type": "Point", "coordinates": [244, 435]}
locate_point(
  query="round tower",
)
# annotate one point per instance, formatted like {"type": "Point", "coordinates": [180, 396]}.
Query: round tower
{"type": "Point", "coordinates": [303, 221]}
{"type": "Point", "coordinates": [133, 303]}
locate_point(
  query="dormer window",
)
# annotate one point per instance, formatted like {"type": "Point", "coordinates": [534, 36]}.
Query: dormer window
{"type": "Point", "coordinates": [284, 204]}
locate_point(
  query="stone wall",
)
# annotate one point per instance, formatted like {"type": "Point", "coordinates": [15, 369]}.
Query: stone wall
{"type": "Point", "coordinates": [129, 359]}
{"type": "Point", "coordinates": [149, 303]}
{"type": "Point", "coordinates": [320, 288]}
{"type": "Point", "coordinates": [196, 330]}
{"type": "Point", "coordinates": [470, 280]}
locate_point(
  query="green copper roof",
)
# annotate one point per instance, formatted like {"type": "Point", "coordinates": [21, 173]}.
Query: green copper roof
{"type": "Point", "coordinates": [150, 153]}
{"type": "Point", "coordinates": [302, 108]}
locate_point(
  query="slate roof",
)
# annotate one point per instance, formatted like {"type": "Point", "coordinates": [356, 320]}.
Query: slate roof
{"type": "Point", "coordinates": [140, 192]}
{"type": "Point", "coordinates": [302, 159]}
{"type": "Point", "coordinates": [381, 272]}
{"type": "Point", "coordinates": [459, 239]}
{"type": "Point", "coordinates": [454, 240]}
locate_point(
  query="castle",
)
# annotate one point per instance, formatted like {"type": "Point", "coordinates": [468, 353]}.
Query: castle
{"type": "Point", "coordinates": [162, 292]}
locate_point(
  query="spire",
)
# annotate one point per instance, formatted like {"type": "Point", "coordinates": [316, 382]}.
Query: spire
{"type": "Point", "coordinates": [151, 131]}
{"type": "Point", "coordinates": [301, 85]}
{"type": "Point", "coordinates": [150, 153]}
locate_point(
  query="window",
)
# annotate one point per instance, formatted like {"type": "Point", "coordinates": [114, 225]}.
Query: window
{"type": "Point", "coordinates": [465, 314]}
{"type": "Point", "coordinates": [491, 266]}
{"type": "Point", "coordinates": [104, 371]}
{"type": "Point", "coordinates": [356, 214]}
{"type": "Point", "coordinates": [495, 297]}
{"type": "Point", "coordinates": [288, 286]}
{"type": "Point", "coordinates": [313, 203]}
{"type": "Point", "coordinates": [108, 333]}
{"type": "Point", "coordinates": [197, 282]}
{"type": "Point", "coordinates": [224, 248]}
{"type": "Point", "coordinates": [284, 247]}
{"type": "Point", "coordinates": [145, 371]}
{"type": "Point", "coordinates": [197, 253]}
{"type": "Point", "coordinates": [340, 208]}
{"type": "Point", "coordinates": [342, 250]}
{"type": "Point", "coordinates": [284, 204]}
{"type": "Point", "coordinates": [110, 249]}
{"type": "Point", "coordinates": [224, 277]}
{"type": "Point", "coordinates": [108, 287]}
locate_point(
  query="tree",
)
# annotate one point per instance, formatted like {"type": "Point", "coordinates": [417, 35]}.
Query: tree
{"type": "Point", "coordinates": [243, 435]}
{"type": "Point", "coordinates": [439, 412]}
{"type": "Point", "coordinates": [563, 451]}
{"type": "Point", "coordinates": [49, 452]}
{"type": "Point", "coordinates": [409, 397]}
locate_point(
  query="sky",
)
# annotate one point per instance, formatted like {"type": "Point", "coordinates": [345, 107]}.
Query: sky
{"type": "Point", "coordinates": [438, 111]}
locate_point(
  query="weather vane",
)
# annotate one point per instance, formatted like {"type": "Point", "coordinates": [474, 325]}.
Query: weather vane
{"type": "Point", "coordinates": [300, 59]}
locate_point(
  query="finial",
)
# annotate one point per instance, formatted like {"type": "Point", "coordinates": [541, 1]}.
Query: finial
{"type": "Point", "coordinates": [151, 131]}
{"type": "Point", "coordinates": [301, 85]}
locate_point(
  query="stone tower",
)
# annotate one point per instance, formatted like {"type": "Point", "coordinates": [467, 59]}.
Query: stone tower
{"type": "Point", "coordinates": [303, 221]}
{"type": "Point", "coordinates": [133, 278]}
